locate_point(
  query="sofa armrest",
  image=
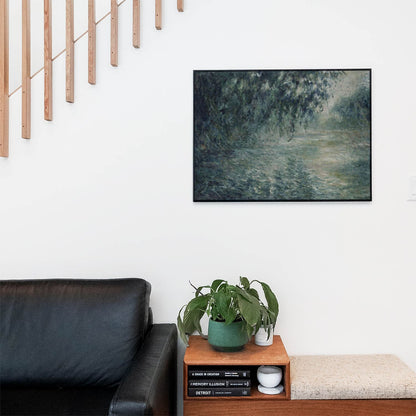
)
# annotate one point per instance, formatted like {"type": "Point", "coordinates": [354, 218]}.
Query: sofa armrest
{"type": "Point", "coordinates": [149, 386]}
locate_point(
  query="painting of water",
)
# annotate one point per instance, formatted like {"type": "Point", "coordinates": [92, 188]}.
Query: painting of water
{"type": "Point", "coordinates": [282, 135]}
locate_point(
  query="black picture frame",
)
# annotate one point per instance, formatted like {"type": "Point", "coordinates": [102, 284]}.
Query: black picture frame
{"type": "Point", "coordinates": [239, 167]}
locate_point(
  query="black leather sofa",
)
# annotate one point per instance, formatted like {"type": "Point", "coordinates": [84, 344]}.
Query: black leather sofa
{"type": "Point", "coordinates": [84, 347]}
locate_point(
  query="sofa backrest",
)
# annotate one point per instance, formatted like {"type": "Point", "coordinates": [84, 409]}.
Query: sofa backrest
{"type": "Point", "coordinates": [70, 331]}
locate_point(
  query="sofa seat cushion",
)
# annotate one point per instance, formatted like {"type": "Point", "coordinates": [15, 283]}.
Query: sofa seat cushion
{"type": "Point", "coordinates": [53, 401]}
{"type": "Point", "coordinates": [351, 377]}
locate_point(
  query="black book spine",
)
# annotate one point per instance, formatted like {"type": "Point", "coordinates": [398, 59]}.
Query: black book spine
{"type": "Point", "coordinates": [219, 373]}
{"type": "Point", "coordinates": [219, 391]}
{"type": "Point", "coordinates": [203, 383]}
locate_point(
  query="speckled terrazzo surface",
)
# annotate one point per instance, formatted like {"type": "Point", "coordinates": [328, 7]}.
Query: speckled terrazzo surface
{"type": "Point", "coordinates": [316, 377]}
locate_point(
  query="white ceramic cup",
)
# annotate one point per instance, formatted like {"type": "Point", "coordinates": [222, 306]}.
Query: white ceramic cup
{"type": "Point", "coordinates": [269, 375]}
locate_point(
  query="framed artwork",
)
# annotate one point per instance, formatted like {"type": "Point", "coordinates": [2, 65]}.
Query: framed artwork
{"type": "Point", "coordinates": [282, 135]}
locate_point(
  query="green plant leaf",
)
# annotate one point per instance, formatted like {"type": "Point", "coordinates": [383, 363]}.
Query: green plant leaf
{"type": "Point", "coordinates": [214, 314]}
{"type": "Point", "coordinates": [245, 283]}
{"type": "Point", "coordinates": [193, 314]}
{"type": "Point", "coordinates": [194, 324]}
{"type": "Point", "coordinates": [231, 316]}
{"type": "Point", "coordinates": [250, 310]}
{"type": "Point", "coordinates": [253, 292]}
{"type": "Point", "coordinates": [198, 290]}
{"type": "Point", "coordinates": [246, 295]}
{"type": "Point", "coordinates": [249, 330]}
{"type": "Point", "coordinates": [199, 303]}
{"type": "Point", "coordinates": [241, 292]}
{"type": "Point", "coordinates": [271, 299]}
{"type": "Point", "coordinates": [266, 318]}
{"type": "Point", "coordinates": [222, 302]}
{"type": "Point", "coordinates": [216, 284]}
{"type": "Point", "coordinates": [181, 327]}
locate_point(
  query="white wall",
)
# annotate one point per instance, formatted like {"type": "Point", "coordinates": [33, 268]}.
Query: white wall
{"type": "Point", "coordinates": [106, 188]}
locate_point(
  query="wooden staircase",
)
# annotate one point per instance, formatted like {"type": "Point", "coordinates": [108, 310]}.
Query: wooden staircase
{"type": "Point", "coordinates": [47, 69]}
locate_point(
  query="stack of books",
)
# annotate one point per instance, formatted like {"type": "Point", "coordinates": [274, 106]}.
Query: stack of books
{"type": "Point", "coordinates": [218, 382]}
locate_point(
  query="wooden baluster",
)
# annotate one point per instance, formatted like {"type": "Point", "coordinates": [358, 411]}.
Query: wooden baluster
{"type": "Point", "coordinates": [158, 14]}
{"type": "Point", "coordinates": [91, 42]}
{"type": "Point", "coordinates": [4, 78]}
{"type": "Point", "coordinates": [180, 5]}
{"type": "Point", "coordinates": [114, 33]}
{"type": "Point", "coordinates": [136, 23]}
{"type": "Point", "coordinates": [69, 56]}
{"type": "Point", "coordinates": [26, 80]}
{"type": "Point", "coordinates": [47, 46]}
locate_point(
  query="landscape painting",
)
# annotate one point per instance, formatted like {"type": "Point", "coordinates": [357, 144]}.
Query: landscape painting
{"type": "Point", "coordinates": [282, 135]}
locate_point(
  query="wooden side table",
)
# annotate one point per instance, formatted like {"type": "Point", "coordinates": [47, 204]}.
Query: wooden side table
{"type": "Point", "coordinates": [201, 354]}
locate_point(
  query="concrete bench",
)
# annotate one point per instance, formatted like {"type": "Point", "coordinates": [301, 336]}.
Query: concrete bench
{"type": "Point", "coordinates": [367, 385]}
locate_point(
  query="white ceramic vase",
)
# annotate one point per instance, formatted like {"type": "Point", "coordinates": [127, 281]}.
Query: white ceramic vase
{"type": "Point", "coordinates": [269, 376]}
{"type": "Point", "coordinates": [261, 338]}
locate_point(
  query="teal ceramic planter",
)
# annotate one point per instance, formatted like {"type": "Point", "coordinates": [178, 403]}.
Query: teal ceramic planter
{"type": "Point", "coordinates": [227, 338]}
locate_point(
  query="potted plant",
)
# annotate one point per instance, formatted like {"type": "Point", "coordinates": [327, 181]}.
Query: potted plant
{"type": "Point", "coordinates": [235, 312]}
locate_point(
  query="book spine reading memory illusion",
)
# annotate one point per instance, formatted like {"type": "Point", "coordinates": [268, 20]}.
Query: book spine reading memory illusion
{"type": "Point", "coordinates": [219, 383]}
